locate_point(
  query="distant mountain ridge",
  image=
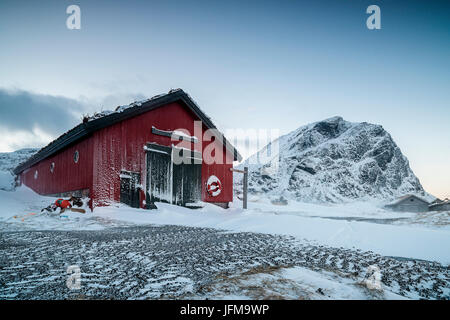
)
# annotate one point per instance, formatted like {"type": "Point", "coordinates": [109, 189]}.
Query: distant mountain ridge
{"type": "Point", "coordinates": [8, 161]}
{"type": "Point", "coordinates": [333, 161]}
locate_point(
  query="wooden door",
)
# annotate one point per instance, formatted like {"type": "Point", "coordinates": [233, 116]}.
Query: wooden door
{"type": "Point", "coordinates": [187, 179]}
{"type": "Point", "coordinates": [187, 183]}
{"type": "Point", "coordinates": [129, 188]}
{"type": "Point", "coordinates": [169, 182]}
{"type": "Point", "coordinates": [159, 174]}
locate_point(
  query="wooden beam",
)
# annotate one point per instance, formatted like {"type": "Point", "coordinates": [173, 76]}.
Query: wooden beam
{"type": "Point", "coordinates": [245, 183]}
{"type": "Point", "coordinates": [172, 135]}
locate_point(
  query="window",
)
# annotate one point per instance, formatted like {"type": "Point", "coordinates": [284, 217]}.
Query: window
{"type": "Point", "coordinates": [76, 156]}
{"type": "Point", "coordinates": [52, 167]}
{"type": "Point", "coordinates": [35, 175]}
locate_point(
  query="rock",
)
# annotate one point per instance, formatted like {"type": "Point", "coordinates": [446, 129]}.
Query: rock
{"type": "Point", "coordinates": [320, 291]}
{"type": "Point", "coordinates": [332, 161]}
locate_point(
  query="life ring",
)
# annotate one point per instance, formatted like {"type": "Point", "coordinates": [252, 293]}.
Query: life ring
{"type": "Point", "coordinates": [213, 186]}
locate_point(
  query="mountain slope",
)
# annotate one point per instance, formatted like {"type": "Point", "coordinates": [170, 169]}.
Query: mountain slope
{"type": "Point", "coordinates": [332, 161]}
{"type": "Point", "coordinates": [8, 161]}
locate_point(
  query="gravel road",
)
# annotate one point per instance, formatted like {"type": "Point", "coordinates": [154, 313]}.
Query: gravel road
{"type": "Point", "coordinates": [154, 262]}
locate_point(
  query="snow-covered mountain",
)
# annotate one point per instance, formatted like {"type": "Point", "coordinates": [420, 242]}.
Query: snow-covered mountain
{"type": "Point", "coordinates": [332, 161]}
{"type": "Point", "coordinates": [8, 161]}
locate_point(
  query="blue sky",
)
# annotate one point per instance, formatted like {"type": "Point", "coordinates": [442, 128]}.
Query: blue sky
{"type": "Point", "coordinates": [249, 64]}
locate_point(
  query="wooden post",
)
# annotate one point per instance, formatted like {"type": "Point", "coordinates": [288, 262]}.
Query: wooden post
{"type": "Point", "coordinates": [245, 183]}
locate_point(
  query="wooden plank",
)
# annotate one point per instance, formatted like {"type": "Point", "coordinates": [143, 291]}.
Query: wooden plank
{"type": "Point", "coordinates": [237, 170]}
{"type": "Point", "coordinates": [172, 135]}
{"type": "Point", "coordinates": [150, 146]}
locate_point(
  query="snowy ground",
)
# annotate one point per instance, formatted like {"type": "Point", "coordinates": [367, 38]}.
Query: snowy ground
{"type": "Point", "coordinates": [155, 262]}
{"type": "Point", "coordinates": [294, 283]}
{"type": "Point", "coordinates": [296, 251]}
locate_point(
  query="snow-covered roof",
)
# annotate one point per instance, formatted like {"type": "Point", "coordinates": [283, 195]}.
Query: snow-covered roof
{"type": "Point", "coordinates": [120, 109]}
{"type": "Point", "coordinates": [405, 197]}
{"type": "Point", "coordinates": [440, 203]}
{"type": "Point", "coordinates": [107, 118]}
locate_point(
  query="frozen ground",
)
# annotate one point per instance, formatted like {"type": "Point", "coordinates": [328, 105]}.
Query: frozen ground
{"type": "Point", "coordinates": [296, 251]}
{"type": "Point", "coordinates": [154, 262]}
{"type": "Point", "coordinates": [275, 282]}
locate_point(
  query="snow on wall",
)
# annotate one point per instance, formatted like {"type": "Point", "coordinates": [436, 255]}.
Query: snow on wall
{"type": "Point", "coordinates": [67, 174]}
{"type": "Point", "coordinates": [121, 147]}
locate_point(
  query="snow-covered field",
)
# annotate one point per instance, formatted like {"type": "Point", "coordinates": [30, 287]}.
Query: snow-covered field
{"type": "Point", "coordinates": [362, 226]}
{"type": "Point", "coordinates": [357, 230]}
{"type": "Point", "coordinates": [167, 262]}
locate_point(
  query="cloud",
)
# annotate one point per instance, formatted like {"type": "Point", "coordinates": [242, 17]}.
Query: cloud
{"type": "Point", "coordinates": [14, 140]}
{"type": "Point", "coordinates": [32, 120]}
{"type": "Point", "coordinates": [25, 111]}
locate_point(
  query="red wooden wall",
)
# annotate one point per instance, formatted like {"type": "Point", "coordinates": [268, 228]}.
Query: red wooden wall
{"type": "Point", "coordinates": [67, 175]}
{"type": "Point", "coordinates": [121, 147]}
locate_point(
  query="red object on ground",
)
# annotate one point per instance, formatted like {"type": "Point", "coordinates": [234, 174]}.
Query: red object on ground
{"type": "Point", "coordinates": [63, 203]}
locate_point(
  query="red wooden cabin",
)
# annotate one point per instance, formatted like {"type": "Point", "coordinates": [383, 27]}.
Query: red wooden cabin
{"type": "Point", "coordinates": [126, 156]}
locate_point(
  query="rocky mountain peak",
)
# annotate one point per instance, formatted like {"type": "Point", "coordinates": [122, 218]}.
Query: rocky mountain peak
{"type": "Point", "coordinates": [333, 160]}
